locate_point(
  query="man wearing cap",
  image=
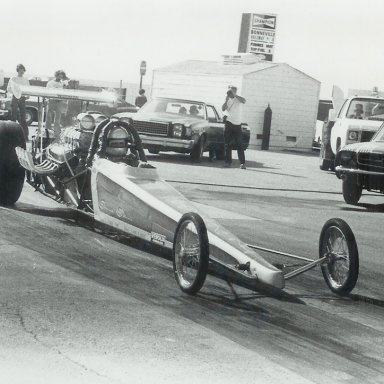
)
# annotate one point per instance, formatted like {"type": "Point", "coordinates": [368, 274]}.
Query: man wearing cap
{"type": "Point", "coordinates": [55, 106]}
{"type": "Point", "coordinates": [18, 101]}
{"type": "Point", "coordinates": [233, 106]}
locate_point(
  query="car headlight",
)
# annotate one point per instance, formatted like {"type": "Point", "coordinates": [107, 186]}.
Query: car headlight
{"type": "Point", "coordinates": [177, 130]}
{"type": "Point", "coordinates": [127, 120]}
{"type": "Point", "coordinates": [87, 122]}
{"type": "Point", "coordinates": [2, 105]}
{"type": "Point", "coordinates": [353, 135]}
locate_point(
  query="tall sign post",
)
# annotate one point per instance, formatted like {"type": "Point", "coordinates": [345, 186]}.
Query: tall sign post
{"type": "Point", "coordinates": [143, 69]}
{"type": "Point", "coordinates": [257, 35]}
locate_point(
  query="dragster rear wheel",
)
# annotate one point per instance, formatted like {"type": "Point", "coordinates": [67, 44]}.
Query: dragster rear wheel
{"type": "Point", "coordinates": [190, 253]}
{"type": "Point", "coordinates": [11, 172]}
{"type": "Point", "coordinates": [342, 269]}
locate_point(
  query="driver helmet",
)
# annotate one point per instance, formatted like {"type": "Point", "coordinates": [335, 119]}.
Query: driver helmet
{"type": "Point", "coordinates": [117, 142]}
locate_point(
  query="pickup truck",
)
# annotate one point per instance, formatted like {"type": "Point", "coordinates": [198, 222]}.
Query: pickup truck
{"type": "Point", "coordinates": [358, 120]}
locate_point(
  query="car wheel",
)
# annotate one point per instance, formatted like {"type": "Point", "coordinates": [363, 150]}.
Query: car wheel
{"type": "Point", "coordinates": [190, 253]}
{"type": "Point", "coordinates": [198, 150]}
{"type": "Point", "coordinates": [351, 189]}
{"type": "Point", "coordinates": [11, 172]}
{"type": "Point", "coordinates": [29, 116]}
{"type": "Point", "coordinates": [341, 271]}
{"type": "Point", "coordinates": [153, 151]}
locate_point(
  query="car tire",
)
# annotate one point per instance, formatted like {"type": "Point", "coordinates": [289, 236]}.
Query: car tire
{"type": "Point", "coordinates": [351, 189]}
{"type": "Point", "coordinates": [29, 116]}
{"type": "Point", "coordinates": [11, 172]}
{"type": "Point", "coordinates": [195, 258]}
{"type": "Point", "coordinates": [153, 151]}
{"type": "Point", "coordinates": [198, 150]}
{"type": "Point", "coordinates": [338, 241]}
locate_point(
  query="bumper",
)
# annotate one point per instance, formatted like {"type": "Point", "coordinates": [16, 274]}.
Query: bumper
{"type": "Point", "coordinates": [166, 143]}
{"type": "Point", "coordinates": [343, 171]}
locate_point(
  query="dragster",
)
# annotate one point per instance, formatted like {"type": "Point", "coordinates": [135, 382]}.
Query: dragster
{"type": "Point", "coordinates": [101, 170]}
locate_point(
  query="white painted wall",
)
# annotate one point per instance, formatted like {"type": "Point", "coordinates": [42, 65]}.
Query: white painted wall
{"type": "Point", "coordinates": [292, 95]}
{"type": "Point", "coordinates": [293, 98]}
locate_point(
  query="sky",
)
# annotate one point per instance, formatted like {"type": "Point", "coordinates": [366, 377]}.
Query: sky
{"type": "Point", "coordinates": [338, 42]}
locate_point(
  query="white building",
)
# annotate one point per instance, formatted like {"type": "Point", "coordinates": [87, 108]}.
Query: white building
{"type": "Point", "coordinates": [292, 95]}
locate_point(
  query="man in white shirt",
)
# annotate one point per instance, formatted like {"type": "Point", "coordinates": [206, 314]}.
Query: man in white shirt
{"type": "Point", "coordinates": [18, 100]}
{"type": "Point", "coordinates": [233, 106]}
{"type": "Point", "coordinates": [55, 106]}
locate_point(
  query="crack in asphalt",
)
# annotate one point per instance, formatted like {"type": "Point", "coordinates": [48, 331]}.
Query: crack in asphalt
{"type": "Point", "coordinates": [17, 312]}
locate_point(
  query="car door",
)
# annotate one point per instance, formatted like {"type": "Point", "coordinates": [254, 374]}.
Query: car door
{"type": "Point", "coordinates": [215, 133]}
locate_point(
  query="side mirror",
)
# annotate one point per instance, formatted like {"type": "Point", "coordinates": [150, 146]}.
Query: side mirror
{"type": "Point", "coordinates": [331, 115]}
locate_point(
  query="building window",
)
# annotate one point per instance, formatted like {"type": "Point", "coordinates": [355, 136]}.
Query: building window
{"type": "Point", "coordinates": [291, 138]}
{"type": "Point", "coordinates": [259, 136]}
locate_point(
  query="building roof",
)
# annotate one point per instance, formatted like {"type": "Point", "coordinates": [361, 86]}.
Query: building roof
{"type": "Point", "coordinates": [203, 67]}
{"type": "Point", "coordinates": [215, 67]}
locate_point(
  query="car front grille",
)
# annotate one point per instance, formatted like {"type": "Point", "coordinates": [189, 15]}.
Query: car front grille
{"type": "Point", "coordinates": [367, 135]}
{"type": "Point", "coordinates": [371, 161]}
{"type": "Point", "coordinates": [151, 127]}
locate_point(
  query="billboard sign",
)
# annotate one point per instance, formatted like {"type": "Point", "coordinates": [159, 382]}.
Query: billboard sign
{"type": "Point", "coordinates": [257, 35]}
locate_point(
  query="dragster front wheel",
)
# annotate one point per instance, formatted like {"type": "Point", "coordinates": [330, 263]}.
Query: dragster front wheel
{"type": "Point", "coordinates": [337, 241]}
{"type": "Point", "coordinates": [190, 253]}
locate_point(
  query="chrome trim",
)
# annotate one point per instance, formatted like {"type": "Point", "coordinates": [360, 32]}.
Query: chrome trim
{"type": "Point", "coordinates": [167, 142]}
{"type": "Point", "coordinates": [357, 171]}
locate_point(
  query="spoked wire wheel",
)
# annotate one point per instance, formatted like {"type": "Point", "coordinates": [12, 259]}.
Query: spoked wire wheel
{"type": "Point", "coordinates": [337, 241]}
{"type": "Point", "coordinates": [190, 253]}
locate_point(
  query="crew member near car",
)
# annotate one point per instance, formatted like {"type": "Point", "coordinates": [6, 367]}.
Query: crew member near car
{"type": "Point", "coordinates": [56, 106]}
{"type": "Point", "coordinates": [233, 106]}
{"type": "Point", "coordinates": [18, 101]}
{"type": "Point", "coordinates": [141, 99]}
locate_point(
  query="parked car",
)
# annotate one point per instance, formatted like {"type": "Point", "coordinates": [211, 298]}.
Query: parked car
{"type": "Point", "coordinates": [184, 126]}
{"type": "Point", "coordinates": [361, 167]}
{"type": "Point", "coordinates": [5, 103]}
{"type": "Point", "coordinates": [357, 121]}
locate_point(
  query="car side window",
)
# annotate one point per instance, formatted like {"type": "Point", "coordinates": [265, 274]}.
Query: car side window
{"type": "Point", "coordinates": [211, 114]}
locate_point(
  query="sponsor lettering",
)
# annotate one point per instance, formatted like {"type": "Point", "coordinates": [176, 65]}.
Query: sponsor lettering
{"type": "Point", "coordinates": [264, 21]}
{"type": "Point", "coordinates": [158, 238]}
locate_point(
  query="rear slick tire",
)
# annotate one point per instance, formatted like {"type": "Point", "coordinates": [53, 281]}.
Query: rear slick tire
{"type": "Point", "coordinates": [342, 269]}
{"type": "Point", "coordinates": [11, 172]}
{"type": "Point", "coordinates": [190, 253]}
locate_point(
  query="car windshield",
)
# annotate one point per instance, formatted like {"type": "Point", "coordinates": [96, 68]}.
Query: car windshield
{"type": "Point", "coordinates": [174, 107]}
{"type": "Point", "coordinates": [367, 109]}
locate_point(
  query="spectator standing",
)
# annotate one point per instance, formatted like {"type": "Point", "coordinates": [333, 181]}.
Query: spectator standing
{"type": "Point", "coordinates": [18, 101]}
{"type": "Point", "coordinates": [233, 106]}
{"type": "Point", "coordinates": [55, 106]}
{"type": "Point", "coordinates": [141, 99]}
